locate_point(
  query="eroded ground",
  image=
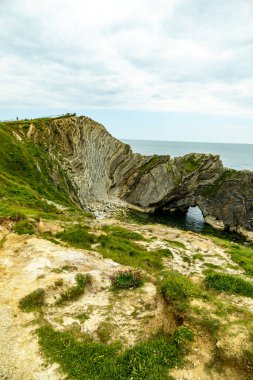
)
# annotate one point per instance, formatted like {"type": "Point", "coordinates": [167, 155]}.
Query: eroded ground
{"type": "Point", "coordinates": [31, 262]}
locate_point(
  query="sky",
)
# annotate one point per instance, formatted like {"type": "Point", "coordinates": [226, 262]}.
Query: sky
{"type": "Point", "coordinates": [178, 70]}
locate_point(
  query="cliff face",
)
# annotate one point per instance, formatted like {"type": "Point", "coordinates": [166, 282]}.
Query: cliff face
{"type": "Point", "coordinates": [105, 174]}
{"type": "Point", "coordinates": [228, 202]}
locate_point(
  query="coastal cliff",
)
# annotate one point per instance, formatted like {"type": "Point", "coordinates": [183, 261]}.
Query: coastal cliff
{"type": "Point", "coordinates": [135, 300]}
{"type": "Point", "coordinates": [102, 174]}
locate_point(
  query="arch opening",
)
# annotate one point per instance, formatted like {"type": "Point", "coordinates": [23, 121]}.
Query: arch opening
{"type": "Point", "coordinates": [194, 219]}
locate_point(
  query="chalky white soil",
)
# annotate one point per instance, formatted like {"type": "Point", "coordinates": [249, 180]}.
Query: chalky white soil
{"type": "Point", "coordinates": [28, 263]}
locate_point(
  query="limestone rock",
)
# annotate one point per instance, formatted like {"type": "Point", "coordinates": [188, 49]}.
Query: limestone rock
{"type": "Point", "coordinates": [107, 175]}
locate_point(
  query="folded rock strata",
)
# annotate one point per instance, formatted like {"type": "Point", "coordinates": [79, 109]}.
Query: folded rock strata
{"type": "Point", "coordinates": [106, 174]}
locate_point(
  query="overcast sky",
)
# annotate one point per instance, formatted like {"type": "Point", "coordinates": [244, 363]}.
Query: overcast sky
{"type": "Point", "coordinates": [163, 69]}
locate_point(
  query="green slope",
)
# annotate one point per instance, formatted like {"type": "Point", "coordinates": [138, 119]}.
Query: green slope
{"type": "Point", "coordinates": [28, 175]}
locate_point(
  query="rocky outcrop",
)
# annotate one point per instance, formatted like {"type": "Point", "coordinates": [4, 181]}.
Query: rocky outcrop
{"type": "Point", "coordinates": [106, 174]}
{"type": "Point", "coordinates": [228, 202]}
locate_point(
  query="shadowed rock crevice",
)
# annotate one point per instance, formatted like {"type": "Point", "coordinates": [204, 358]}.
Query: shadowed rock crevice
{"type": "Point", "coordinates": [106, 175]}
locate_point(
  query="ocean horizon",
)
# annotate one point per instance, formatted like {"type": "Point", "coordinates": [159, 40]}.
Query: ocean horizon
{"type": "Point", "coordinates": [235, 156]}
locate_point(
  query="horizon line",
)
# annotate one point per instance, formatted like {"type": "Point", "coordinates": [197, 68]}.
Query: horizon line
{"type": "Point", "coordinates": [192, 142]}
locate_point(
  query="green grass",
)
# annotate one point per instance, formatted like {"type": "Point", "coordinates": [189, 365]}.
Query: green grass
{"type": "Point", "coordinates": [191, 162]}
{"type": "Point", "coordinates": [178, 290]}
{"type": "Point", "coordinates": [128, 252]}
{"type": "Point", "coordinates": [243, 256]}
{"type": "Point", "coordinates": [198, 256]}
{"type": "Point", "coordinates": [74, 292]}
{"type": "Point", "coordinates": [200, 318]}
{"type": "Point", "coordinates": [211, 266]}
{"type": "Point", "coordinates": [177, 287]}
{"type": "Point", "coordinates": [27, 173]}
{"type": "Point", "coordinates": [104, 331]}
{"type": "Point", "coordinates": [78, 236]}
{"type": "Point", "coordinates": [126, 280]}
{"type": "Point", "coordinates": [123, 233]}
{"type": "Point", "coordinates": [33, 301]}
{"type": "Point", "coordinates": [240, 254]}
{"type": "Point", "coordinates": [82, 317]}
{"type": "Point", "coordinates": [229, 283]}
{"type": "Point", "coordinates": [154, 160]}
{"type": "Point", "coordinates": [24, 227]}
{"type": "Point", "coordinates": [176, 244]}
{"type": "Point", "coordinates": [97, 361]}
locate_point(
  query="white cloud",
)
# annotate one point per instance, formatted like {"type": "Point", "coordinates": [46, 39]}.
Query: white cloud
{"type": "Point", "coordinates": [184, 55]}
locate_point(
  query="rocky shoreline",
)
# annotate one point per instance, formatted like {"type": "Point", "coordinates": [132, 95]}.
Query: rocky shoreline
{"type": "Point", "coordinates": [106, 175]}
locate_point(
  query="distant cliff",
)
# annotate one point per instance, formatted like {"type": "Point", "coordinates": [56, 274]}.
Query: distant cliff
{"type": "Point", "coordinates": [102, 174]}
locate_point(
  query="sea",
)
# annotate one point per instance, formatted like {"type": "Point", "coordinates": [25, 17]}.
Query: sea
{"type": "Point", "coordinates": [235, 156]}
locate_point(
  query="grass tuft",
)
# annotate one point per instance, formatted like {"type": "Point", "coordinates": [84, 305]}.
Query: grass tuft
{"type": "Point", "coordinates": [178, 290]}
{"type": "Point", "coordinates": [229, 283]}
{"type": "Point", "coordinates": [74, 292]}
{"type": "Point", "coordinates": [33, 301]}
{"type": "Point", "coordinates": [126, 280]}
{"type": "Point", "coordinates": [177, 287]}
{"type": "Point", "coordinates": [77, 236]}
{"type": "Point", "coordinates": [24, 226]}
{"type": "Point", "coordinates": [123, 233]}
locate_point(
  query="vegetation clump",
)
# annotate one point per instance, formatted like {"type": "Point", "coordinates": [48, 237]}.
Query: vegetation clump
{"type": "Point", "coordinates": [33, 301]}
{"type": "Point", "coordinates": [77, 236]}
{"type": "Point", "coordinates": [191, 162]}
{"type": "Point", "coordinates": [177, 287]}
{"type": "Point", "coordinates": [82, 360]}
{"type": "Point", "coordinates": [175, 243]}
{"type": "Point", "coordinates": [229, 283]}
{"type": "Point", "coordinates": [154, 161]}
{"type": "Point", "coordinates": [24, 226]}
{"type": "Point", "coordinates": [178, 290]}
{"type": "Point", "coordinates": [240, 254]}
{"type": "Point", "coordinates": [123, 233]}
{"type": "Point", "coordinates": [128, 252]}
{"type": "Point", "coordinates": [126, 280]}
{"type": "Point", "coordinates": [76, 291]}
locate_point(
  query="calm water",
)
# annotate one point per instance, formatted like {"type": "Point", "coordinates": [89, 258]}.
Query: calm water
{"type": "Point", "coordinates": [235, 156]}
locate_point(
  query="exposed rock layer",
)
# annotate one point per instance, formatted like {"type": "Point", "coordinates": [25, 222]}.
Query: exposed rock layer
{"type": "Point", "coordinates": [106, 174]}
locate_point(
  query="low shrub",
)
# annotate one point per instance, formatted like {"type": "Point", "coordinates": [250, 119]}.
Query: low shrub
{"type": "Point", "coordinates": [126, 280]}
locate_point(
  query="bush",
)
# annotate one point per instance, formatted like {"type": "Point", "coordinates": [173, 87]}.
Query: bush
{"type": "Point", "coordinates": [127, 280]}
{"type": "Point", "coordinates": [33, 301]}
{"type": "Point", "coordinates": [229, 283]}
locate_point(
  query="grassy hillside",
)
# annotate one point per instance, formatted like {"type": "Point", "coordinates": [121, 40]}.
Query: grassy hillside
{"type": "Point", "coordinates": [28, 175]}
